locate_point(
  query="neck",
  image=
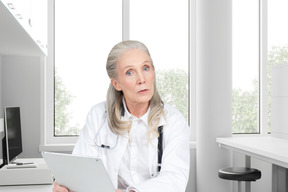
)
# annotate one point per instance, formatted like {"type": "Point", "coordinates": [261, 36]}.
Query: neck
{"type": "Point", "coordinates": [138, 110]}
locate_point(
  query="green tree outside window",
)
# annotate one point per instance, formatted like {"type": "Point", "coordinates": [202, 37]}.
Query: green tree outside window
{"type": "Point", "coordinates": [245, 103]}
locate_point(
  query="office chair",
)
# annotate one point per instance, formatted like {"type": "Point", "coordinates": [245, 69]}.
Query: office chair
{"type": "Point", "coordinates": [239, 174]}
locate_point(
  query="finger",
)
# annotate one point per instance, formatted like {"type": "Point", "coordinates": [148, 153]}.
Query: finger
{"type": "Point", "coordinates": [58, 188]}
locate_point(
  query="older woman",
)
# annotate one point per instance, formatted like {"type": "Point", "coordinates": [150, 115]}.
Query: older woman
{"type": "Point", "coordinates": [124, 131]}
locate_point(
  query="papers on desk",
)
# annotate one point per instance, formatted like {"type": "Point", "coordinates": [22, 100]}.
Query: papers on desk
{"type": "Point", "coordinates": [21, 166]}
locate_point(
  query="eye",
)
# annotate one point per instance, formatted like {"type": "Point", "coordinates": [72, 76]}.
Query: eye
{"type": "Point", "coordinates": [129, 72]}
{"type": "Point", "coordinates": [146, 68]}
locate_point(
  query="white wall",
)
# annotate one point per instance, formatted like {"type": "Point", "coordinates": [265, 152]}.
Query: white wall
{"type": "Point", "coordinates": [21, 87]}
{"type": "Point", "coordinates": [214, 91]}
{"type": "Point", "coordinates": [191, 186]}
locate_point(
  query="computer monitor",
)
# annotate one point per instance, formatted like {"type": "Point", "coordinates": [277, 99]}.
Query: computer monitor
{"type": "Point", "coordinates": [13, 135]}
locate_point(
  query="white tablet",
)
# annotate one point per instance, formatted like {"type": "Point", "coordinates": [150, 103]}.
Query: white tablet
{"type": "Point", "coordinates": [79, 174]}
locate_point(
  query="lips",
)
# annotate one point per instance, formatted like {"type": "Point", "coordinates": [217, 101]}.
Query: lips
{"type": "Point", "coordinates": [143, 91]}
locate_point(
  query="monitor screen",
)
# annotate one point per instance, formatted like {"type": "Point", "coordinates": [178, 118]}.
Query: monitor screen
{"type": "Point", "coordinates": [13, 133]}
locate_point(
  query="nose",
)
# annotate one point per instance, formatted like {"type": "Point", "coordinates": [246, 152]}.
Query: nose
{"type": "Point", "coordinates": [141, 78]}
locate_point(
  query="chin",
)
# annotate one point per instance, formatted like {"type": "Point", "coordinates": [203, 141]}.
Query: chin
{"type": "Point", "coordinates": [146, 99]}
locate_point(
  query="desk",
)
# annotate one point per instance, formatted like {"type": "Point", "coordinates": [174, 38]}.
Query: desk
{"type": "Point", "coordinates": [270, 149]}
{"type": "Point", "coordinates": [27, 188]}
{"type": "Point", "coordinates": [26, 179]}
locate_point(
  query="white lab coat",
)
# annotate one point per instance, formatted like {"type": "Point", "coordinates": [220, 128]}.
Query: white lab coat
{"type": "Point", "coordinates": [174, 173]}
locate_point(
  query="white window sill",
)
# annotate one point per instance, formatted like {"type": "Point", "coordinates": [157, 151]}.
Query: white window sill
{"type": "Point", "coordinates": [69, 147]}
{"type": "Point", "coordinates": [57, 147]}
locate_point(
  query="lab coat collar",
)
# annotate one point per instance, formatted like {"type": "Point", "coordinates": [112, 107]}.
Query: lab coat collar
{"type": "Point", "coordinates": [144, 118]}
{"type": "Point", "coordinates": [129, 116]}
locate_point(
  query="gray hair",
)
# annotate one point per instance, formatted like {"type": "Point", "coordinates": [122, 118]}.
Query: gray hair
{"type": "Point", "coordinates": [115, 98]}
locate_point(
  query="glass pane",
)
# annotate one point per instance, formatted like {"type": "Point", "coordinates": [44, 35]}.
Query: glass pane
{"type": "Point", "coordinates": [245, 114]}
{"type": "Point", "coordinates": [166, 36]}
{"type": "Point", "coordinates": [85, 31]}
{"type": "Point", "coordinates": [277, 41]}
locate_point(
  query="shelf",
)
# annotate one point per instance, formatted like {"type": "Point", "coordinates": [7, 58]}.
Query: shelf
{"type": "Point", "coordinates": [14, 39]}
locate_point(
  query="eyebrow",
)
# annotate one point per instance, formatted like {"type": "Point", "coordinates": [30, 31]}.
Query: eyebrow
{"type": "Point", "coordinates": [131, 66]}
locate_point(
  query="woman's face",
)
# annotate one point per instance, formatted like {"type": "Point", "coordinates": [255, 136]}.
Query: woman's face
{"type": "Point", "coordinates": [135, 77]}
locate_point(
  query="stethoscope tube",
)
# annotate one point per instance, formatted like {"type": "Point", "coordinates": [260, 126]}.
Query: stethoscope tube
{"type": "Point", "coordinates": [160, 147]}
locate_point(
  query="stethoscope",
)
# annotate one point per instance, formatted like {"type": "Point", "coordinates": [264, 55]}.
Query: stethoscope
{"type": "Point", "coordinates": [104, 146]}
{"type": "Point", "coordinates": [109, 147]}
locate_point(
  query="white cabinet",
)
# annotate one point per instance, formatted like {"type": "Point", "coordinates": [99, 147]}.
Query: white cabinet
{"type": "Point", "coordinates": [20, 10]}
{"type": "Point", "coordinates": [279, 101]}
{"type": "Point", "coordinates": [39, 21]}
{"type": "Point", "coordinates": [23, 27]}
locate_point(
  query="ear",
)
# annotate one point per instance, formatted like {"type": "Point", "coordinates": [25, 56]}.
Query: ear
{"type": "Point", "coordinates": [115, 84]}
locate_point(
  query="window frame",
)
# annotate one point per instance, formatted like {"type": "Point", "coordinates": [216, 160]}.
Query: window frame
{"type": "Point", "coordinates": [263, 80]}
{"type": "Point", "coordinates": [51, 143]}
{"type": "Point", "coordinates": [263, 60]}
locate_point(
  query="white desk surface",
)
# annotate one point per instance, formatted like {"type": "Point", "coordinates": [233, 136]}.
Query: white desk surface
{"type": "Point", "coordinates": [268, 148]}
{"type": "Point", "coordinates": [27, 188]}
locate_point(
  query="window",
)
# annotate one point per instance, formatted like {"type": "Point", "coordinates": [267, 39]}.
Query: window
{"type": "Point", "coordinates": [263, 45]}
{"type": "Point", "coordinates": [245, 31]}
{"type": "Point", "coordinates": [82, 44]}
{"type": "Point", "coordinates": [80, 73]}
{"type": "Point", "coordinates": [166, 36]}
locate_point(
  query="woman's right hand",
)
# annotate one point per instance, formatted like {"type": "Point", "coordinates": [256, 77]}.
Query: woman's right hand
{"type": "Point", "coordinates": [58, 188]}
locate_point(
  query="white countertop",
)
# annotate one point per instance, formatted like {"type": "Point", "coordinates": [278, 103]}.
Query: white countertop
{"type": "Point", "coordinates": [268, 148]}
{"type": "Point", "coordinates": [28, 188]}
{"type": "Point", "coordinates": [26, 179]}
